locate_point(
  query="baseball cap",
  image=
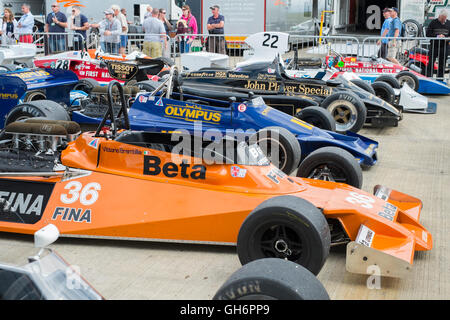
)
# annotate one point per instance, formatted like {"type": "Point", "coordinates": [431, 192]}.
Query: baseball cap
{"type": "Point", "coordinates": [394, 9]}
{"type": "Point", "coordinates": [387, 9]}
{"type": "Point", "coordinates": [109, 11]}
{"type": "Point", "coordinates": [214, 7]}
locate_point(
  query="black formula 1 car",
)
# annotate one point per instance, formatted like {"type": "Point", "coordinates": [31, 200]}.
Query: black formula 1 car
{"type": "Point", "coordinates": [350, 105]}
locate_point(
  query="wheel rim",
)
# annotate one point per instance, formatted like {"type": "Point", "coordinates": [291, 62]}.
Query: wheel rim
{"type": "Point", "coordinates": [279, 240]}
{"type": "Point", "coordinates": [344, 113]}
{"type": "Point", "coordinates": [408, 80]}
{"type": "Point", "coordinates": [411, 30]}
{"type": "Point", "coordinates": [328, 172]}
{"type": "Point", "coordinates": [22, 118]}
{"type": "Point", "coordinates": [266, 146]}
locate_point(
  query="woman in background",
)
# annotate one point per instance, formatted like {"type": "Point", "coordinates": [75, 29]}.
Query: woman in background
{"type": "Point", "coordinates": [186, 25]}
{"type": "Point", "coordinates": [9, 25]}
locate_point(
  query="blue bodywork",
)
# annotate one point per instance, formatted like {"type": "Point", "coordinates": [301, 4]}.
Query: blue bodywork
{"type": "Point", "coordinates": [426, 85]}
{"type": "Point", "coordinates": [56, 84]}
{"type": "Point", "coordinates": [156, 114]}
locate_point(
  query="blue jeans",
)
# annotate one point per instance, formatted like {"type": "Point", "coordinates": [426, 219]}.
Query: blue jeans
{"type": "Point", "coordinates": [57, 43]}
{"type": "Point", "coordinates": [111, 47]}
{"type": "Point", "coordinates": [184, 46]}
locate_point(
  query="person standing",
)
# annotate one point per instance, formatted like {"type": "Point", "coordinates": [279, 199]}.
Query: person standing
{"type": "Point", "coordinates": [110, 30]}
{"type": "Point", "coordinates": [124, 12]}
{"type": "Point", "coordinates": [25, 25]}
{"type": "Point", "coordinates": [395, 28]}
{"type": "Point", "coordinates": [168, 27]}
{"type": "Point", "coordinates": [155, 35]}
{"type": "Point", "coordinates": [8, 30]}
{"type": "Point", "coordinates": [383, 42]}
{"type": "Point", "coordinates": [187, 24]}
{"type": "Point", "coordinates": [439, 28]}
{"type": "Point", "coordinates": [56, 22]}
{"type": "Point", "coordinates": [80, 25]}
{"type": "Point", "coordinates": [216, 22]}
{"type": "Point", "coordinates": [123, 21]}
{"type": "Point", "coordinates": [148, 13]}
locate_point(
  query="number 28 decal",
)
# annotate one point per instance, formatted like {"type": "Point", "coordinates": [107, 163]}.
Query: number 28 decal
{"type": "Point", "coordinates": [363, 200]}
{"type": "Point", "coordinates": [87, 195]}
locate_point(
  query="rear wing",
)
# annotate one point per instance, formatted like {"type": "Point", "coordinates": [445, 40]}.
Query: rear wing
{"type": "Point", "coordinates": [138, 70]}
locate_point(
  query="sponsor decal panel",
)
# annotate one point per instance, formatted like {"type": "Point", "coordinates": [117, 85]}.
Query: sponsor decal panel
{"type": "Point", "coordinates": [154, 167]}
{"type": "Point", "coordinates": [192, 113]}
{"type": "Point", "coordinates": [23, 201]}
{"type": "Point", "coordinates": [237, 172]}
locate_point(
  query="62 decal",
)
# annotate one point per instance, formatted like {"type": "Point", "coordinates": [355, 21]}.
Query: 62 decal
{"type": "Point", "coordinates": [361, 199]}
{"type": "Point", "coordinates": [87, 195]}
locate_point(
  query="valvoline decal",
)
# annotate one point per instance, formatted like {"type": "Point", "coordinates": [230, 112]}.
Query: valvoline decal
{"type": "Point", "coordinates": [192, 113]}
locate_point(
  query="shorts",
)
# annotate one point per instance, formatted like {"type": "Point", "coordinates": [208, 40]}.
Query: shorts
{"type": "Point", "coordinates": [392, 51]}
{"type": "Point", "coordinates": [152, 49]}
{"type": "Point", "coordinates": [123, 41]}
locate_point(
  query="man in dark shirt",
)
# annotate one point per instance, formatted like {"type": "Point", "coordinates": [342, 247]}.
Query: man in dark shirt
{"type": "Point", "coordinates": [56, 22]}
{"type": "Point", "coordinates": [215, 26]}
{"type": "Point", "coordinates": [438, 28]}
{"type": "Point", "coordinates": [80, 25]}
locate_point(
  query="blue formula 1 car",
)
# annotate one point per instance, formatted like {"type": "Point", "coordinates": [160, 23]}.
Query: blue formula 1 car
{"type": "Point", "coordinates": [313, 152]}
{"type": "Point", "coordinates": [28, 88]}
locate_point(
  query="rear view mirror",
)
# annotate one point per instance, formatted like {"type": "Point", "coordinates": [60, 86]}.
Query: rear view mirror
{"type": "Point", "coordinates": [46, 236]}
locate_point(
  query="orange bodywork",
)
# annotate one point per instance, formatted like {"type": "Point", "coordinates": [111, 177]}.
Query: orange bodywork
{"type": "Point", "coordinates": [128, 191]}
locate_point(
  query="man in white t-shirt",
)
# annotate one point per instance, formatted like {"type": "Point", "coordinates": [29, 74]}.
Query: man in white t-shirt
{"type": "Point", "coordinates": [123, 21]}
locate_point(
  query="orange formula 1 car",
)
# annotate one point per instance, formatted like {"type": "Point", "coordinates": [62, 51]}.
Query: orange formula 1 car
{"type": "Point", "coordinates": [136, 185]}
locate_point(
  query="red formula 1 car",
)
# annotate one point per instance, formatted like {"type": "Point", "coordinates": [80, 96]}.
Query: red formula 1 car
{"type": "Point", "coordinates": [90, 66]}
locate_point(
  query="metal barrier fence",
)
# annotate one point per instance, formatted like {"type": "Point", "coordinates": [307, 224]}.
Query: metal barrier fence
{"type": "Point", "coordinates": [428, 56]}
{"type": "Point", "coordinates": [52, 43]}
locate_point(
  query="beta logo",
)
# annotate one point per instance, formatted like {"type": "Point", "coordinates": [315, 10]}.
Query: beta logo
{"type": "Point", "coordinates": [152, 167]}
{"type": "Point", "coordinates": [72, 214]}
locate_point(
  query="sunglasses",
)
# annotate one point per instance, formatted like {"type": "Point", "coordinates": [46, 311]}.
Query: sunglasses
{"type": "Point", "coordinates": [55, 6]}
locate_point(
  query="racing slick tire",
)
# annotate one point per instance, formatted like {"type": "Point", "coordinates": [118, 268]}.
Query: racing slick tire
{"type": "Point", "coordinates": [318, 117]}
{"type": "Point", "coordinates": [288, 228]}
{"type": "Point", "coordinates": [412, 28]}
{"type": "Point", "coordinates": [390, 80]}
{"type": "Point", "coordinates": [363, 85]}
{"type": "Point", "coordinates": [47, 109]}
{"type": "Point", "coordinates": [332, 164]}
{"type": "Point", "coordinates": [384, 91]}
{"type": "Point", "coordinates": [348, 110]}
{"type": "Point", "coordinates": [409, 78]}
{"type": "Point", "coordinates": [275, 279]}
{"type": "Point", "coordinates": [289, 149]}
{"type": "Point", "coordinates": [86, 85]}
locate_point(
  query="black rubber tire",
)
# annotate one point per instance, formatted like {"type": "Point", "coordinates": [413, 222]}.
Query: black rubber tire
{"type": "Point", "coordinates": [318, 117]}
{"type": "Point", "coordinates": [34, 95]}
{"type": "Point", "coordinates": [86, 85]}
{"type": "Point", "coordinates": [342, 165]}
{"type": "Point", "coordinates": [389, 79]}
{"type": "Point", "coordinates": [282, 222]}
{"type": "Point", "coordinates": [289, 147]}
{"type": "Point", "coordinates": [272, 279]}
{"type": "Point", "coordinates": [148, 85]}
{"type": "Point", "coordinates": [47, 109]}
{"type": "Point", "coordinates": [408, 77]}
{"type": "Point", "coordinates": [384, 91]}
{"type": "Point", "coordinates": [363, 85]}
{"type": "Point", "coordinates": [346, 101]}
{"type": "Point", "coordinates": [414, 24]}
